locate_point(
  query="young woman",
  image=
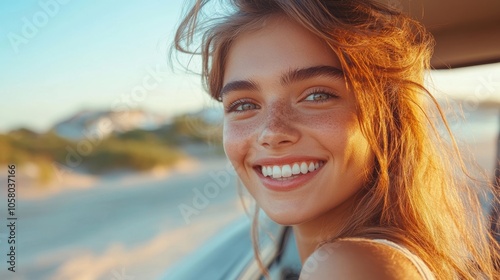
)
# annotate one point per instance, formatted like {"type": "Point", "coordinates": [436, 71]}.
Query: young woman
{"type": "Point", "coordinates": [327, 125]}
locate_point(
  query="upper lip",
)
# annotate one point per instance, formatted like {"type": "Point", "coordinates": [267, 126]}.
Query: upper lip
{"type": "Point", "coordinates": [285, 160]}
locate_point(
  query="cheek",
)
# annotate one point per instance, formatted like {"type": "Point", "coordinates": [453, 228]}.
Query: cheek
{"type": "Point", "coordinates": [339, 132]}
{"type": "Point", "coordinates": [331, 128]}
{"type": "Point", "coordinates": [237, 142]}
{"type": "Point", "coordinates": [357, 156]}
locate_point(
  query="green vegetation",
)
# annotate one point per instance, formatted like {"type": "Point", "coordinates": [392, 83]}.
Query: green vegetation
{"type": "Point", "coordinates": [23, 147]}
{"type": "Point", "coordinates": [196, 129]}
{"type": "Point", "coordinates": [132, 150]}
{"type": "Point", "coordinates": [118, 152]}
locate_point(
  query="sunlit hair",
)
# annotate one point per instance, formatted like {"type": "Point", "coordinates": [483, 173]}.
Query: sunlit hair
{"type": "Point", "coordinates": [419, 194]}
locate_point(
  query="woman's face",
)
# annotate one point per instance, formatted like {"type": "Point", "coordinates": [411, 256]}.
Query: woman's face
{"type": "Point", "coordinates": [290, 124]}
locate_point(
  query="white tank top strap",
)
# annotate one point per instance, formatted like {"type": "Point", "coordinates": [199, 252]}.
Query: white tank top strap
{"type": "Point", "coordinates": [417, 261]}
{"type": "Point", "coordinates": [422, 268]}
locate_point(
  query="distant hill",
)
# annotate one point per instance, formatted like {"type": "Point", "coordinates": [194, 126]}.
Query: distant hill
{"type": "Point", "coordinates": [105, 122]}
{"type": "Point", "coordinates": [99, 142]}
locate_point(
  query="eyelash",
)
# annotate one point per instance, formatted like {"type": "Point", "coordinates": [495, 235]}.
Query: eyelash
{"type": "Point", "coordinates": [321, 91]}
{"type": "Point", "coordinates": [232, 107]}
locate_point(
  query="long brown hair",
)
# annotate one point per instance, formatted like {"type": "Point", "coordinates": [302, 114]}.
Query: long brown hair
{"type": "Point", "coordinates": [419, 194]}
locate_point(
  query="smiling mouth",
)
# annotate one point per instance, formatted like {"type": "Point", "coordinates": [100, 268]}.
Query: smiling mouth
{"type": "Point", "coordinates": [289, 171]}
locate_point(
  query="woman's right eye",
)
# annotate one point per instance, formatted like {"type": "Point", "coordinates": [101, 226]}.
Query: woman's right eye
{"type": "Point", "coordinates": [241, 106]}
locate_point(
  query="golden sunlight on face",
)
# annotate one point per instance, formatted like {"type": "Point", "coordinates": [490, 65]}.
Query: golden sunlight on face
{"type": "Point", "coordinates": [290, 125]}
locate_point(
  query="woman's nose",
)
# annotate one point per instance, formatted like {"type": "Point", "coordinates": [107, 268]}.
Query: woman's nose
{"type": "Point", "coordinates": [279, 128]}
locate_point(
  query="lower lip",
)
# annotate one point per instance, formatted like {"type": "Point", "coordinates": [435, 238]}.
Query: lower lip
{"type": "Point", "coordinates": [287, 184]}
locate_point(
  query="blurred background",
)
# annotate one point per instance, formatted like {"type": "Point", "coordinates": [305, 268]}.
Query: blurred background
{"type": "Point", "coordinates": [120, 168]}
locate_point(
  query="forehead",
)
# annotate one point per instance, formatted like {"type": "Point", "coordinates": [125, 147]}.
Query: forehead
{"type": "Point", "coordinates": [280, 45]}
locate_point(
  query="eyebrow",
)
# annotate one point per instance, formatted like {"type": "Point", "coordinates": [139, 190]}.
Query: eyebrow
{"type": "Point", "coordinates": [238, 85]}
{"type": "Point", "coordinates": [291, 76]}
{"type": "Point", "coordinates": [296, 75]}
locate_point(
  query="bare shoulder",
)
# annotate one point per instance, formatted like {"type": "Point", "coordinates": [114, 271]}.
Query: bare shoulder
{"type": "Point", "coordinates": [358, 259]}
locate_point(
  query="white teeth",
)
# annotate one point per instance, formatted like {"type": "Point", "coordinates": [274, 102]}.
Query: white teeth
{"type": "Point", "coordinates": [311, 167]}
{"type": "Point", "coordinates": [276, 172]}
{"type": "Point", "coordinates": [303, 168]}
{"type": "Point", "coordinates": [286, 171]}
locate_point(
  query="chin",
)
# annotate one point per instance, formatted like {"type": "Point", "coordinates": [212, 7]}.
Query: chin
{"type": "Point", "coordinates": [285, 218]}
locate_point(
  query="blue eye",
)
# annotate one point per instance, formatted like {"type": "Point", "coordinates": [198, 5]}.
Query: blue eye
{"type": "Point", "coordinates": [245, 107]}
{"type": "Point", "coordinates": [240, 106]}
{"type": "Point", "coordinates": [320, 96]}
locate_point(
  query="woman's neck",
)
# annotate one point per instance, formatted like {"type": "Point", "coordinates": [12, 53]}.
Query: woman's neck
{"type": "Point", "coordinates": [310, 234]}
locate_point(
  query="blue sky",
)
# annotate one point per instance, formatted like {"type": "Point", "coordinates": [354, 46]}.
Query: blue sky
{"type": "Point", "coordinates": [61, 56]}
{"type": "Point", "coordinates": [88, 55]}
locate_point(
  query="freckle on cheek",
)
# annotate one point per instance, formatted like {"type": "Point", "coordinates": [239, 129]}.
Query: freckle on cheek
{"type": "Point", "coordinates": [239, 132]}
{"type": "Point", "coordinates": [329, 120]}
{"type": "Point", "coordinates": [238, 138]}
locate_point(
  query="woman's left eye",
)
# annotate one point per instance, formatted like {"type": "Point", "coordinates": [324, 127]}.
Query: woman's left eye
{"type": "Point", "coordinates": [319, 96]}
